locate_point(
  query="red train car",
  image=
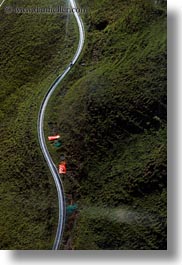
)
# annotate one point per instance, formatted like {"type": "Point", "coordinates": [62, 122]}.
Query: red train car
{"type": "Point", "coordinates": [53, 138]}
{"type": "Point", "coordinates": [62, 167]}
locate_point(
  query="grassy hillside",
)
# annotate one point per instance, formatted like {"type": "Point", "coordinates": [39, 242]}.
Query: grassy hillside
{"type": "Point", "coordinates": [34, 49]}
{"type": "Point", "coordinates": [111, 113]}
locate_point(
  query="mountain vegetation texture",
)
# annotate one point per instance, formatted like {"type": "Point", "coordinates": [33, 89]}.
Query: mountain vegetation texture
{"type": "Point", "coordinates": [34, 49]}
{"type": "Point", "coordinates": [111, 114]}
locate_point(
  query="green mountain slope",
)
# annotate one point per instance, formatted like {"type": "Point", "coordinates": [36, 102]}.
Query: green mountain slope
{"type": "Point", "coordinates": [111, 114]}
{"type": "Point", "coordinates": [34, 49]}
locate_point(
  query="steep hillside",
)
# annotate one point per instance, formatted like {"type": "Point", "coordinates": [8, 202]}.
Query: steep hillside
{"type": "Point", "coordinates": [34, 49]}
{"type": "Point", "coordinates": [111, 114]}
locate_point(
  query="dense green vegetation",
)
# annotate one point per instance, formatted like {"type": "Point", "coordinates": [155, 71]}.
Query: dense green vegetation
{"type": "Point", "coordinates": [111, 113]}
{"type": "Point", "coordinates": [34, 49]}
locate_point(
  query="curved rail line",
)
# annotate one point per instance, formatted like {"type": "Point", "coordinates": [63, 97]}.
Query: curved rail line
{"type": "Point", "coordinates": [41, 136]}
